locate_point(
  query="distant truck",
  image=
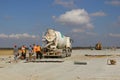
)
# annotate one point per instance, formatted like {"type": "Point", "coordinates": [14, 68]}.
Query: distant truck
{"type": "Point", "coordinates": [56, 44]}
{"type": "Point", "coordinates": [98, 46]}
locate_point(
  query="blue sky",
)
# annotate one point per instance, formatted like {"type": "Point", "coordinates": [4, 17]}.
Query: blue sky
{"type": "Point", "coordinates": [85, 21]}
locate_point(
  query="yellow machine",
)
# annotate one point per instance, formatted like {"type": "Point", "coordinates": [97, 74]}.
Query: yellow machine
{"type": "Point", "coordinates": [98, 46]}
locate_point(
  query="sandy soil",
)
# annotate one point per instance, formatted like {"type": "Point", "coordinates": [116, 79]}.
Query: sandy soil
{"type": "Point", "coordinates": [95, 69]}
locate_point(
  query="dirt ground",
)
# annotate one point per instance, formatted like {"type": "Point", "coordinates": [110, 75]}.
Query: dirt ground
{"type": "Point", "coordinates": [6, 52]}
{"type": "Point", "coordinates": [90, 67]}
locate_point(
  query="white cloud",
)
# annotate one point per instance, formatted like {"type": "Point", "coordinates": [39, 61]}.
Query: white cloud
{"type": "Point", "coordinates": [89, 26]}
{"type": "Point", "coordinates": [100, 13]}
{"type": "Point", "coordinates": [78, 30]}
{"type": "Point", "coordinates": [114, 35]}
{"type": "Point", "coordinates": [3, 36]}
{"type": "Point", "coordinates": [78, 17]}
{"type": "Point", "coordinates": [117, 22]}
{"type": "Point", "coordinates": [54, 17]}
{"type": "Point", "coordinates": [65, 3]}
{"type": "Point", "coordinates": [91, 33]}
{"type": "Point", "coordinates": [18, 36]}
{"type": "Point", "coordinates": [113, 2]}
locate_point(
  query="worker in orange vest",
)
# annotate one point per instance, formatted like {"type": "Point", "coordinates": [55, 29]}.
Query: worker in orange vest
{"type": "Point", "coordinates": [39, 54]}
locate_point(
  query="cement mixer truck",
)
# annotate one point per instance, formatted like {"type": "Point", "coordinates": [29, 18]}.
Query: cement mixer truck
{"type": "Point", "coordinates": [56, 44]}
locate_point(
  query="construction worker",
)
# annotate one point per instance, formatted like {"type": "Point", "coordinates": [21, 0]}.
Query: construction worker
{"type": "Point", "coordinates": [27, 56]}
{"type": "Point", "coordinates": [30, 49]}
{"type": "Point", "coordinates": [34, 51]}
{"type": "Point", "coordinates": [23, 52]}
{"type": "Point", "coordinates": [39, 54]}
{"type": "Point", "coordinates": [16, 53]}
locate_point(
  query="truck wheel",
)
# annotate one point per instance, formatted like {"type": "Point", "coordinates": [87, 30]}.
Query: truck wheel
{"type": "Point", "coordinates": [69, 54]}
{"type": "Point", "coordinates": [63, 56]}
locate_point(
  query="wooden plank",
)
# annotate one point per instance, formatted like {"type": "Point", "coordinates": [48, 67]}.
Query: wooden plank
{"type": "Point", "coordinates": [80, 63]}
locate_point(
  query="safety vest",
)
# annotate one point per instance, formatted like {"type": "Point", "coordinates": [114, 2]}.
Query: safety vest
{"type": "Point", "coordinates": [38, 48]}
{"type": "Point", "coordinates": [34, 48]}
{"type": "Point", "coordinates": [23, 49]}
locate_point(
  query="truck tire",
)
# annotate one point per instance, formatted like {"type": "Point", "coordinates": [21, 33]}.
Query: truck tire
{"type": "Point", "coordinates": [63, 54]}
